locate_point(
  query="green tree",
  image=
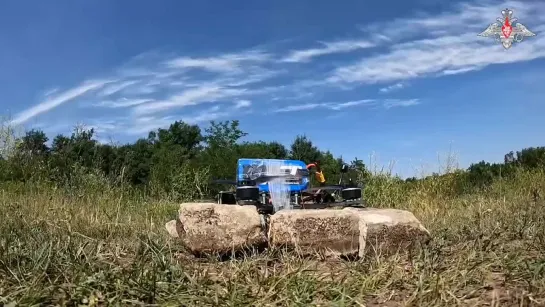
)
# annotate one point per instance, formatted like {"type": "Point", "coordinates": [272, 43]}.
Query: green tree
{"type": "Point", "coordinates": [221, 152]}
{"type": "Point", "coordinates": [182, 137]}
{"type": "Point", "coordinates": [34, 144]}
{"type": "Point", "coordinates": [303, 149]}
{"type": "Point", "coordinates": [532, 157]}
{"type": "Point", "coordinates": [29, 158]}
{"type": "Point", "coordinates": [72, 156]}
{"type": "Point", "coordinates": [137, 161]}
{"type": "Point", "coordinates": [172, 148]}
{"type": "Point", "coordinates": [263, 150]}
{"type": "Point", "coordinates": [360, 171]}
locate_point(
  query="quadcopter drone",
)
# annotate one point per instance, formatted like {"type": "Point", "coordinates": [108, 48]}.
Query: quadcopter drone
{"type": "Point", "coordinates": [252, 186]}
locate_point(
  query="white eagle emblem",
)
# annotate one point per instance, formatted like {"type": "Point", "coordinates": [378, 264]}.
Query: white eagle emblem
{"type": "Point", "coordinates": [507, 30]}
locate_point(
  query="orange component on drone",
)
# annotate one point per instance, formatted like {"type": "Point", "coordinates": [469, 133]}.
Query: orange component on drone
{"type": "Point", "coordinates": [318, 173]}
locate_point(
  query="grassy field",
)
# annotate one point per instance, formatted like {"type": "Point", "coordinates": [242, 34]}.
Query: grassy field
{"type": "Point", "coordinates": [104, 246]}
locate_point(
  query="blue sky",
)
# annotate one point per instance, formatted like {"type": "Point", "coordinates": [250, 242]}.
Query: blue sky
{"type": "Point", "coordinates": [402, 82]}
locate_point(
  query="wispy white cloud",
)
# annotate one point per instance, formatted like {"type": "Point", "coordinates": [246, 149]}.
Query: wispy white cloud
{"type": "Point", "coordinates": [102, 127]}
{"type": "Point", "coordinates": [193, 96]}
{"type": "Point", "coordinates": [329, 105]}
{"type": "Point", "coordinates": [223, 63]}
{"type": "Point", "coordinates": [242, 104]}
{"type": "Point", "coordinates": [339, 106]}
{"type": "Point", "coordinates": [114, 88]}
{"type": "Point", "coordinates": [392, 103]}
{"type": "Point", "coordinates": [299, 107]}
{"type": "Point", "coordinates": [328, 48]}
{"type": "Point", "coordinates": [460, 51]}
{"type": "Point", "coordinates": [229, 77]}
{"type": "Point", "coordinates": [212, 64]}
{"type": "Point", "coordinates": [461, 17]}
{"type": "Point", "coordinates": [122, 103]}
{"type": "Point", "coordinates": [54, 102]}
{"type": "Point", "coordinates": [154, 84]}
{"type": "Point", "coordinates": [207, 115]}
{"type": "Point", "coordinates": [253, 75]}
{"type": "Point", "coordinates": [144, 124]}
{"type": "Point", "coordinates": [50, 92]}
{"type": "Point", "coordinates": [387, 104]}
{"type": "Point", "coordinates": [391, 88]}
{"type": "Point", "coordinates": [445, 55]}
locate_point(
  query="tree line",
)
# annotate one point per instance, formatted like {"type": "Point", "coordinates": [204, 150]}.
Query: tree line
{"type": "Point", "coordinates": [181, 160]}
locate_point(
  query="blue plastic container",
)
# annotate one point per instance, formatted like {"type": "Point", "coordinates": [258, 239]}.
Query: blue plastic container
{"type": "Point", "coordinates": [250, 169]}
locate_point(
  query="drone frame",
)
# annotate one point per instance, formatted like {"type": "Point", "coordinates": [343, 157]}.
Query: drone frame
{"type": "Point", "coordinates": [247, 193]}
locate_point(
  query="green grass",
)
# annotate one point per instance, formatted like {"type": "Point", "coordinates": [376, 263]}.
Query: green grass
{"type": "Point", "coordinates": [108, 247]}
